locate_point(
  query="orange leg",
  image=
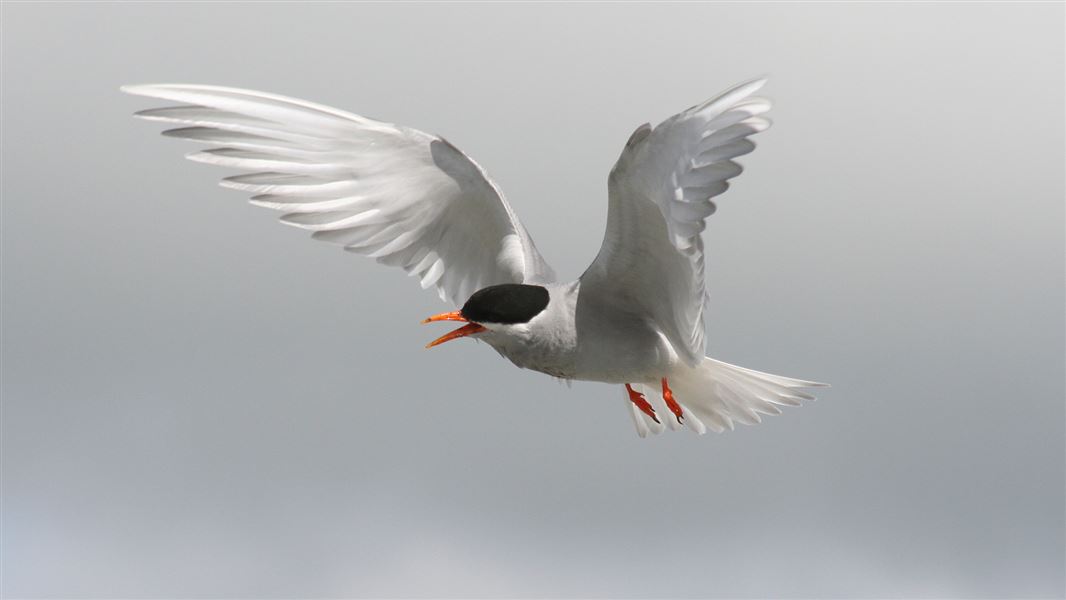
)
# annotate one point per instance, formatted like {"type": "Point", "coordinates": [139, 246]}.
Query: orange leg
{"type": "Point", "coordinates": [642, 403]}
{"type": "Point", "coordinates": [668, 395]}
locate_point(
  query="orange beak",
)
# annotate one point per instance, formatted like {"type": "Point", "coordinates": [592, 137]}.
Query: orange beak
{"type": "Point", "coordinates": [465, 330]}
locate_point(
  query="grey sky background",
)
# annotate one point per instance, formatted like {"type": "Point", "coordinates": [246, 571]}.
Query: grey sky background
{"type": "Point", "coordinates": [198, 402]}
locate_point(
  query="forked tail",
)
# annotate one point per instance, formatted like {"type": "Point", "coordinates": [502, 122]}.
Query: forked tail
{"type": "Point", "coordinates": [714, 395]}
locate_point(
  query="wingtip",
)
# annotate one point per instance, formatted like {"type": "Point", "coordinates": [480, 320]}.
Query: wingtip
{"type": "Point", "coordinates": [137, 89]}
{"type": "Point", "coordinates": [752, 85]}
{"type": "Point", "coordinates": [156, 90]}
{"type": "Point", "coordinates": [734, 94]}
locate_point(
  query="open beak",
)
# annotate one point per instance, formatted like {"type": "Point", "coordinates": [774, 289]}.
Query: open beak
{"type": "Point", "coordinates": [465, 330]}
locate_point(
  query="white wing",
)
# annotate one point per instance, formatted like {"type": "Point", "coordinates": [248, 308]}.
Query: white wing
{"type": "Point", "coordinates": [660, 190]}
{"type": "Point", "coordinates": [404, 197]}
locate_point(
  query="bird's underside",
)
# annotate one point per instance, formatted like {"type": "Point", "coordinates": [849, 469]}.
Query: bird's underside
{"type": "Point", "coordinates": [413, 200]}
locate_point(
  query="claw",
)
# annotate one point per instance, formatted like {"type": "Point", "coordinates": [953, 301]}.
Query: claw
{"type": "Point", "coordinates": [672, 404]}
{"type": "Point", "coordinates": [642, 403]}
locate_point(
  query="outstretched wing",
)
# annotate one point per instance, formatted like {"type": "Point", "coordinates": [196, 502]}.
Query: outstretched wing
{"type": "Point", "coordinates": [404, 197]}
{"type": "Point", "coordinates": [660, 191]}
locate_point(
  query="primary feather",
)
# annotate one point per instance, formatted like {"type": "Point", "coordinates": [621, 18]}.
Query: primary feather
{"type": "Point", "coordinates": [660, 194]}
{"type": "Point", "coordinates": [402, 196]}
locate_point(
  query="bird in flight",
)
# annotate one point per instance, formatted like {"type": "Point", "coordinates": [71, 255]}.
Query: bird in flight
{"type": "Point", "coordinates": [413, 200]}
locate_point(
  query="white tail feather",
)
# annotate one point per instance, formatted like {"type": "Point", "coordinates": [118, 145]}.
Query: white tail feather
{"type": "Point", "coordinates": [714, 395]}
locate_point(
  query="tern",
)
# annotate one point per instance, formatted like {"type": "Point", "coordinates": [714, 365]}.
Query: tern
{"type": "Point", "coordinates": [410, 199]}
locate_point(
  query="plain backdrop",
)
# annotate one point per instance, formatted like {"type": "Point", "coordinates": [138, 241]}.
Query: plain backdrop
{"type": "Point", "coordinates": [198, 402]}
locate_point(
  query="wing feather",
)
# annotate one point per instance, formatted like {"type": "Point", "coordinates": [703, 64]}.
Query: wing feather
{"type": "Point", "coordinates": [396, 194]}
{"type": "Point", "coordinates": [660, 194]}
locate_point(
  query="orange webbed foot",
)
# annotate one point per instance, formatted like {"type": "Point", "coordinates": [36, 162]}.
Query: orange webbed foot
{"type": "Point", "coordinates": [642, 403]}
{"type": "Point", "coordinates": [668, 396]}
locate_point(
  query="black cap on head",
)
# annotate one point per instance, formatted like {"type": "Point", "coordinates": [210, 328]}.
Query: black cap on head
{"type": "Point", "coordinates": [507, 303]}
